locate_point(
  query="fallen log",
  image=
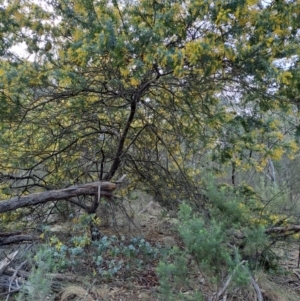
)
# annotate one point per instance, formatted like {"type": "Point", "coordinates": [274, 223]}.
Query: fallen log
{"type": "Point", "coordinates": [280, 231]}
{"type": "Point", "coordinates": [16, 239]}
{"type": "Point", "coordinates": [4, 263]}
{"type": "Point", "coordinates": [294, 228]}
{"type": "Point", "coordinates": [105, 188]}
{"type": "Point", "coordinates": [289, 230]}
{"type": "Point", "coordinates": [7, 234]}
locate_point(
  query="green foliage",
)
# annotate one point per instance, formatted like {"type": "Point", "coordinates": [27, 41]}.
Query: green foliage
{"type": "Point", "coordinates": [207, 244]}
{"type": "Point", "coordinates": [143, 89]}
{"type": "Point", "coordinates": [38, 285]}
{"type": "Point", "coordinates": [257, 250]}
{"type": "Point", "coordinates": [174, 276]}
{"type": "Point", "coordinates": [228, 239]}
{"type": "Point", "coordinates": [164, 91]}
{"type": "Point", "coordinates": [107, 257]}
{"type": "Point", "coordinates": [113, 255]}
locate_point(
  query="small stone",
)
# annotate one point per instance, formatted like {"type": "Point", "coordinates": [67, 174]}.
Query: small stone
{"type": "Point", "coordinates": [143, 296]}
{"type": "Point", "coordinates": [168, 241]}
{"type": "Point", "coordinates": [173, 221]}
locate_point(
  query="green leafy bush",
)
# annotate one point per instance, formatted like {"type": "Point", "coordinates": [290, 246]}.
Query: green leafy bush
{"type": "Point", "coordinates": [106, 257]}
{"type": "Point", "coordinates": [210, 253]}
{"type": "Point", "coordinates": [38, 286]}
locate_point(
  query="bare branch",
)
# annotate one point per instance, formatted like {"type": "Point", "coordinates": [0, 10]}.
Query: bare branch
{"type": "Point", "coordinates": [61, 194]}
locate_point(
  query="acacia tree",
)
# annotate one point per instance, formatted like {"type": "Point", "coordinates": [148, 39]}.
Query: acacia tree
{"type": "Point", "coordinates": [154, 89]}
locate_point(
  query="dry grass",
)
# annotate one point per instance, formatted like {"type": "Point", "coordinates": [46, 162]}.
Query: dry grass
{"type": "Point", "coordinates": [76, 293]}
{"type": "Point", "coordinates": [273, 291]}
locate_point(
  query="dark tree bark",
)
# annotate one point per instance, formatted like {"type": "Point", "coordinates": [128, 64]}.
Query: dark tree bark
{"type": "Point", "coordinates": [106, 189]}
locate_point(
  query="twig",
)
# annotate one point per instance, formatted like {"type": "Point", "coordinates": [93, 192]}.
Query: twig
{"type": "Point", "coordinates": [11, 271]}
{"type": "Point", "coordinates": [99, 193]}
{"type": "Point", "coordinates": [14, 291]}
{"type": "Point", "coordinates": [257, 289]}
{"type": "Point", "coordinates": [12, 279]}
{"type": "Point", "coordinates": [6, 261]}
{"type": "Point", "coordinates": [88, 290]}
{"type": "Point", "coordinates": [119, 181]}
{"type": "Point", "coordinates": [223, 289]}
{"type": "Point", "coordinates": [298, 275]}
{"type": "Point", "coordinates": [146, 208]}
{"type": "Point", "coordinates": [61, 277]}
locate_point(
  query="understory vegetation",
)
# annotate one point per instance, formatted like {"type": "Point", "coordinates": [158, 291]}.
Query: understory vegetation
{"type": "Point", "coordinates": [224, 249]}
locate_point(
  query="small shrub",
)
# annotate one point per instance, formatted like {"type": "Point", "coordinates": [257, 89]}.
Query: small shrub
{"type": "Point", "coordinates": [38, 286]}
{"type": "Point", "coordinates": [173, 275]}
{"type": "Point", "coordinates": [207, 243]}
{"type": "Point", "coordinates": [107, 256]}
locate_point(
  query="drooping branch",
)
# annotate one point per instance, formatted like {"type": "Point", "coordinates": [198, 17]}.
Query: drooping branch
{"type": "Point", "coordinates": [43, 197]}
